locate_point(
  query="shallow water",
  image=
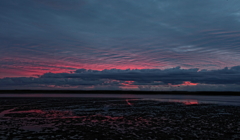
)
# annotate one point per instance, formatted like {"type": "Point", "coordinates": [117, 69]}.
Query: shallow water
{"type": "Point", "coordinates": [198, 99]}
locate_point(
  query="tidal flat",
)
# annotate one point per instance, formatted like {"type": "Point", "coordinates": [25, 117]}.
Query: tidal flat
{"type": "Point", "coordinates": [116, 119]}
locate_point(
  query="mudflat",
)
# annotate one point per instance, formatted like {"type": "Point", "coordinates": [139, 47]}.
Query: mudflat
{"type": "Point", "coordinates": [116, 118]}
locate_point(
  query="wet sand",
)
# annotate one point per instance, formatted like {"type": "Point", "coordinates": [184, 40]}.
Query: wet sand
{"type": "Point", "coordinates": [116, 118]}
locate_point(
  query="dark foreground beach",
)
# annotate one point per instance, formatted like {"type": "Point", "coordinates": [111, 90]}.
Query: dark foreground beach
{"type": "Point", "coordinates": [116, 118]}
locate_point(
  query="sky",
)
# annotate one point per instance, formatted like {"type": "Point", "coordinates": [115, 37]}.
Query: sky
{"type": "Point", "coordinates": [156, 45]}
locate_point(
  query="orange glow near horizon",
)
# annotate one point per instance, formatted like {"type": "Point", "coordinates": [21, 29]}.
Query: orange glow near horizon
{"type": "Point", "coordinates": [128, 85]}
{"type": "Point", "coordinates": [185, 83]}
{"type": "Point", "coordinates": [188, 83]}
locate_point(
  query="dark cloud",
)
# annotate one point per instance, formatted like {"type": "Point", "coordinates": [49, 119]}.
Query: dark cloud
{"type": "Point", "coordinates": [167, 76]}
{"type": "Point", "coordinates": [144, 78]}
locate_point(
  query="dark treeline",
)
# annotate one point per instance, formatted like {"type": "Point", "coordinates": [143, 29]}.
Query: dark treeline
{"type": "Point", "coordinates": [227, 93]}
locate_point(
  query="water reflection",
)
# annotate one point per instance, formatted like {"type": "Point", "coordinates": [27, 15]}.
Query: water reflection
{"type": "Point", "coordinates": [183, 101]}
{"type": "Point", "coordinates": [127, 100]}
{"type": "Point", "coordinates": [226, 100]}
{"type": "Point", "coordinates": [186, 102]}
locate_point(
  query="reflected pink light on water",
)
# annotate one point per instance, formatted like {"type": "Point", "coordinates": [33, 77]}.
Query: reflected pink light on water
{"type": "Point", "coordinates": [183, 101]}
{"type": "Point", "coordinates": [186, 102]}
{"type": "Point", "coordinates": [128, 102]}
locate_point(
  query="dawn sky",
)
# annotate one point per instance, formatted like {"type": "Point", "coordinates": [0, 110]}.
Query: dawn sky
{"type": "Point", "coordinates": [120, 44]}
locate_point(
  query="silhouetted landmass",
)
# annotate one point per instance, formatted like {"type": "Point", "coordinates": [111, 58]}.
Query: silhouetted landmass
{"type": "Point", "coordinates": [227, 93]}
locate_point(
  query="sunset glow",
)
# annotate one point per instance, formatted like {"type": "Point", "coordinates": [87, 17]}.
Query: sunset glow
{"type": "Point", "coordinates": [46, 44]}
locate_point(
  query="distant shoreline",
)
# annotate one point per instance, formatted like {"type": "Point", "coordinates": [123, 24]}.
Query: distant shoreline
{"type": "Point", "coordinates": [210, 93]}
